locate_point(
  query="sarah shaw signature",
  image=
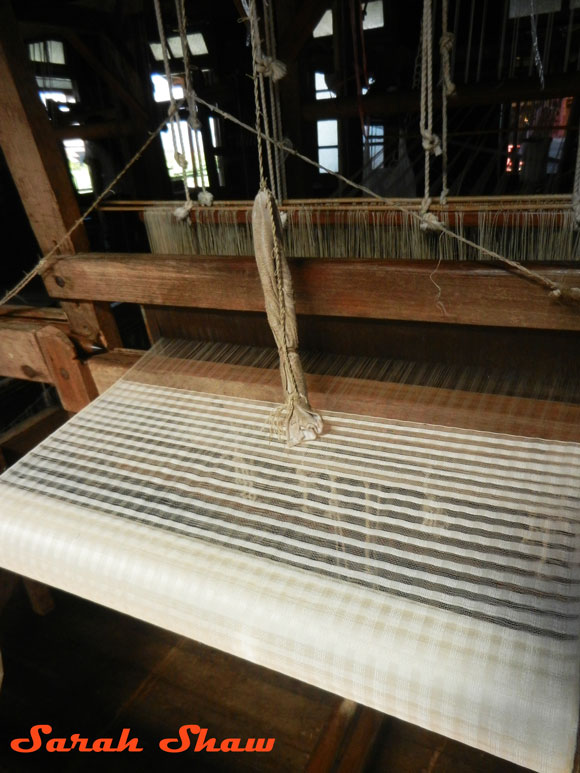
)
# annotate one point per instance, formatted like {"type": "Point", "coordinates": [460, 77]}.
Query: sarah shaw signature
{"type": "Point", "coordinates": [185, 741]}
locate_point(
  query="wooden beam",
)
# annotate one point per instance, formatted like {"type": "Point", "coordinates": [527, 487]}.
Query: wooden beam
{"type": "Point", "coordinates": [98, 131]}
{"type": "Point", "coordinates": [70, 376]}
{"type": "Point", "coordinates": [403, 101]}
{"type": "Point", "coordinates": [45, 314]}
{"type": "Point", "coordinates": [451, 408]}
{"type": "Point", "coordinates": [20, 354]}
{"type": "Point", "coordinates": [306, 19]}
{"type": "Point", "coordinates": [135, 107]}
{"type": "Point", "coordinates": [472, 293]}
{"type": "Point", "coordinates": [33, 154]}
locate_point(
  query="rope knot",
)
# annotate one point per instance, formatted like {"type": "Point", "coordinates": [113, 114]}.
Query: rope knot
{"type": "Point", "coordinates": [180, 159]}
{"type": "Point", "coordinates": [205, 198]}
{"type": "Point", "coordinates": [431, 143]}
{"type": "Point", "coordinates": [181, 213]}
{"type": "Point", "coordinates": [446, 42]}
{"type": "Point", "coordinates": [429, 222]}
{"type": "Point", "coordinates": [193, 121]}
{"type": "Point", "coordinates": [271, 68]}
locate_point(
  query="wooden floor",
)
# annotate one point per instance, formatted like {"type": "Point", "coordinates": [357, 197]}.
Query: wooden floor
{"type": "Point", "coordinates": [86, 669]}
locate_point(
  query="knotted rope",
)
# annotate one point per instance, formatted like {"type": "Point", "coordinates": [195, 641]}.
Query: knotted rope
{"type": "Point", "coordinates": [204, 197]}
{"type": "Point", "coordinates": [173, 114]}
{"type": "Point", "coordinates": [447, 89]}
{"type": "Point", "coordinates": [295, 421]}
{"type": "Point", "coordinates": [430, 141]}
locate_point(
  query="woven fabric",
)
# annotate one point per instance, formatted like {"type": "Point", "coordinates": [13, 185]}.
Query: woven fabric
{"type": "Point", "coordinates": [430, 573]}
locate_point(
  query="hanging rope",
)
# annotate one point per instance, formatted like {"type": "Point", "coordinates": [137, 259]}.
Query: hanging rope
{"type": "Point", "coordinates": [430, 141]}
{"type": "Point", "coordinates": [447, 89]}
{"type": "Point", "coordinates": [576, 187]}
{"type": "Point", "coordinates": [173, 114]}
{"type": "Point", "coordinates": [295, 421]}
{"type": "Point", "coordinates": [204, 197]}
{"type": "Point", "coordinates": [278, 71]}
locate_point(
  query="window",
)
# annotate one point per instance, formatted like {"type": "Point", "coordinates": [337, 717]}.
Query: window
{"type": "Point", "coordinates": [373, 16]}
{"type": "Point", "coordinates": [75, 152]}
{"type": "Point", "coordinates": [327, 132]}
{"type": "Point", "coordinates": [321, 90]}
{"type": "Point", "coordinates": [216, 140]}
{"type": "Point", "coordinates": [324, 26]}
{"type": "Point", "coordinates": [175, 171]}
{"type": "Point", "coordinates": [161, 88]}
{"type": "Point", "coordinates": [47, 51]}
{"type": "Point", "coordinates": [195, 41]}
{"type": "Point", "coordinates": [374, 146]}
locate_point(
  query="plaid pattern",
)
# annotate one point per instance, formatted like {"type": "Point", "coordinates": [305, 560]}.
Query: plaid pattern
{"type": "Point", "coordinates": [430, 573]}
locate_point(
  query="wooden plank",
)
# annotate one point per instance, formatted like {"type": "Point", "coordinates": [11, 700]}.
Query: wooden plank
{"type": "Point", "coordinates": [70, 376]}
{"type": "Point", "coordinates": [429, 405]}
{"type": "Point", "coordinates": [20, 354]}
{"type": "Point", "coordinates": [472, 293]}
{"type": "Point", "coordinates": [33, 154]}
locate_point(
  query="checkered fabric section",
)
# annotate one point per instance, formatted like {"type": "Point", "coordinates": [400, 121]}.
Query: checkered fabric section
{"type": "Point", "coordinates": [430, 573]}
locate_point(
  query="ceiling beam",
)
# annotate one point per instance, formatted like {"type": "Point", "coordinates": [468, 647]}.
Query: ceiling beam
{"type": "Point", "coordinates": [306, 19]}
{"type": "Point", "coordinates": [406, 101]}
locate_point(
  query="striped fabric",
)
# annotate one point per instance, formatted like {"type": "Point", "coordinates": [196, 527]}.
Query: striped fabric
{"type": "Point", "coordinates": [430, 573]}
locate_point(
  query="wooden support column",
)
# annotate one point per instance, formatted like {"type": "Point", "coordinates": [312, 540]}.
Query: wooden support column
{"type": "Point", "coordinates": [94, 322]}
{"type": "Point", "coordinates": [71, 377]}
{"type": "Point", "coordinates": [34, 155]}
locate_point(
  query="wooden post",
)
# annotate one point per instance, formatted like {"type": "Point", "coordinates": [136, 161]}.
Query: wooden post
{"type": "Point", "coordinates": [33, 154]}
{"type": "Point", "coordinates": [71, 377]}
{"type": "Point", "coordinates": [36, 159]}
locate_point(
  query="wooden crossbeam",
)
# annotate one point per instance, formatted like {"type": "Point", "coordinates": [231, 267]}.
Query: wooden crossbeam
{"type": "Point", "coordinates": [471, 293]}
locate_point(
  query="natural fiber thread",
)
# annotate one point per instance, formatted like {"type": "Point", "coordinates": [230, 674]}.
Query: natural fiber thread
{"type": "Point", "coordinates": [295, 420]}
{"type": "Point", "coordinates": [430, 141]}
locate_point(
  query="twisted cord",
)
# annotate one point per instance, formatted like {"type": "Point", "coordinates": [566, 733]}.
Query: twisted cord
{"type": "Point", "coordinates": [430, 141]}
{"type": "Point", "coordinates": [447, 88]}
